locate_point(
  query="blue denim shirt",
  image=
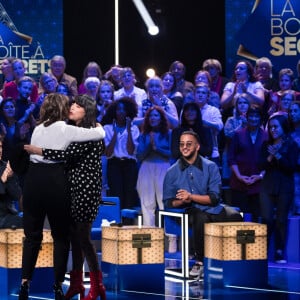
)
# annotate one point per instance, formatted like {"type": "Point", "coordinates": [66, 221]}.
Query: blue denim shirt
{"type": "Point", "coordinates": [201, 178]}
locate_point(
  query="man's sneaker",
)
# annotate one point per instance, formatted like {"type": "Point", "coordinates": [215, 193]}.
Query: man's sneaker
{"type": "Point", "coordinates": [279, 258]}
{"type": "Point", "coordinates": [197, 271]}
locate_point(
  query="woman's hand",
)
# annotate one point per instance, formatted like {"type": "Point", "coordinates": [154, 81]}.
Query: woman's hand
{"type": "Point", "coordinates": [8, 172]}
{"type": "Point", "coordinates": [31, 149]}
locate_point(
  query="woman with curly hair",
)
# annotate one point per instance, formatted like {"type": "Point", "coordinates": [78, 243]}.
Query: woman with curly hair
{"type": "Point", "coordinates": [121, 142]}
{"type": "Point", "coordinates": [154, 153]}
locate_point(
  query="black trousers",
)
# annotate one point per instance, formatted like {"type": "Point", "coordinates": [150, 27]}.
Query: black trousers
{"type": "Point", "coordinates": [122, 177]}
{"type": "Point", "coordinates": [46, 193]}
{"type": "Point", "coordinates": [198, 218]}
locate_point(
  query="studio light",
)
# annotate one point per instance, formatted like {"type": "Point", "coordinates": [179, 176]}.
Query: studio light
{"type": "Point", "coordinates": [150, 72]}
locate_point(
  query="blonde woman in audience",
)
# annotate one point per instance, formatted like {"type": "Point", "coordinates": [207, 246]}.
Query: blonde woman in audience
{"type": "Point", "coordinates": [214, 67]}
{"type": "Point", "coordinates": [91, 85]}
{"type": "Point", "coordinates": [156, 97]}
{"type": "Point", "coordinates": [105, 97]}
{"type": "Point", "coordinates": [92, 69]}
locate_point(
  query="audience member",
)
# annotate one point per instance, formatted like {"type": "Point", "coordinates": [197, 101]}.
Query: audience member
{"type": "Point", "coordinates": [63, 89]}
{"type": "Point", "coordinates": [214, 67]}
{"type": "Point", "coordinates": [7, 71]}
{"type": "Point", "coordinates": [10, 192]}
{"type": "Point", "coordinates": [92, 69]}
{"type": "Point", "coordinates": [294, 117]}
{"type": "Point", "coordinates": [8, 125]}
{"type": "Point", "coordinates": [15, 135]}
{"type": "Point", "coordinates": [178, 69]}
{"type": "Point", "coordinates": [169, 90]}
{"type": "Point", "coordinates": [57, 68]}
{"type": "Point", "coordinates": [233, 124]}
{"type": "Point", "coordinates": [263, 70]}
{"type": "Point", "coordinates": [243, 81]}
{"type": "Point", "coordinates": [104, 98]}
{"type": "Point", "coordinates": [91, 85]}
{"type": "Point", "coordinates": [114, 76]}
{"type": "Point", "coordinates": [193, 183]}
{"type": "Point", "coordinates": [121, 142]}
{"type": "Point", "coordinates": [129, 88]}
{"type": "Point", "coordinates": [154, 87]}
{"type": "Point", "coordinates": [204, 76]}
{"type": "Point", "coordinates": [48, 85]}
{"type": "Point", "coordinates": [211, 118]}
{"type": "Point", "coordinates": [287, 97]}
{"type": "Point", "coordinates": [296, 81]}
{"type": "Point", "coordinates": [244, 157]}
{"type": "Point", "coordinates": [285, 79]}
{"type": "Point", "coordinates": [24, 106]}
{"type": "Point", "coordinates": [83, 167]}
{"type": "Point", "coordinates": [279, 160]}
{"type": "Point", "coordinates": [10, 89]}
{"type": "Point", "coordinates": [51, 198]}
{"type": "Point", "coordinates": [191, 119]}
{"type": "Point", "coordinates": [154, 155]}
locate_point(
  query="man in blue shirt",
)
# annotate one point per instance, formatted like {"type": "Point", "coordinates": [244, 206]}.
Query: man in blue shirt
{"type": "Point", "coordinates": [194, 183]}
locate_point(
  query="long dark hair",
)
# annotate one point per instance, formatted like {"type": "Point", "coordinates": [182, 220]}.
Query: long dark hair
{"type": "Point", "coordinates": [284, 123]}
{"type": "Point", "coordinates": [89, 106]}
{"type": "Point", "coordinates": [198, 122]}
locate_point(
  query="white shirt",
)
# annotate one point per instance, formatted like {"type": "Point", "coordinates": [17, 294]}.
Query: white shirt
{"type": "Point", "coordinates": [59, 135]}
{"type": "Point", "coordinates": [120, 149]}
{"type": "Point", "coordinates": [137, 94]}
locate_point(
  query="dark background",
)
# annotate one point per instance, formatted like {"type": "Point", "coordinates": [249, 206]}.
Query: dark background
{"type": "Point", "coordinates": [190, 31]}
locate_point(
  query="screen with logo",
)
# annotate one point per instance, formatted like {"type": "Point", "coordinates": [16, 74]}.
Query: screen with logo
{"type": "Point", "coordinates": [259, 28]}
{"type": "Point", "coordinates": [33, 33]}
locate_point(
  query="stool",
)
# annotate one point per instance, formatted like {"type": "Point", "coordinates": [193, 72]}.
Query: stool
{"type": "Point", "coordinates": [184, 232]}
{"type": "Point", "coordinates": [131, 213]}
{"type": "Point", "coordinates": [109, 210]}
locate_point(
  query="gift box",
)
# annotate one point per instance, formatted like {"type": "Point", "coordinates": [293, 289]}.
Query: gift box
{"type": "Point", "coordinates": [132, 245]}
{"type": "Point", "coordinates": [133, 258]}
{"type": "Point", "coordinates": [235, 241]}
{"type": "Point", "coordinates": [236, 254]}
{"type": "Point", "coordinates": [11, 244]}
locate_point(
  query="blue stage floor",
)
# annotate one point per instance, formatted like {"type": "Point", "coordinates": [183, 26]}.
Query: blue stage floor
{"type": "Point", "coordinates": [283, 284]}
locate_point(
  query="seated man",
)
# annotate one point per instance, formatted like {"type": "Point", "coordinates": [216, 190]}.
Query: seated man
{"type": "Point", "coordinates": [9, 191]}
{"type": "Point", "coordinates": [193, 182]}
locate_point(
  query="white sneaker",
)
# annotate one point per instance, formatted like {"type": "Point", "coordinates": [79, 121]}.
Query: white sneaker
{"type": "Point", "coordinates": [197, 271]}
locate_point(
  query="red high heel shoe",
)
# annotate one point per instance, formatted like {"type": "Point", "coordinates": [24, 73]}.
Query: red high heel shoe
{"type": "Point", "coordinates": [76, 285]}
{"type": "Point", "coordinates": [97, 288]}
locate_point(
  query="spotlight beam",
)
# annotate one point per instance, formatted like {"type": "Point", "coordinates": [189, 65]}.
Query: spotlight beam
{"type": "Point", "coordinates": [152, 28]}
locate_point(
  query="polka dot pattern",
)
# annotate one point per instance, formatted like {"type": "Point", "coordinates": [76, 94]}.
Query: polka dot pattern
{"type": "Point", "coordinates": [220, 241]}
{"type": "Point", "coordinates": [11, 249]}
{"type": "Point", "coordinates": [84, 169]}
{"type": "Point", "coordinates": [117, 245]}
